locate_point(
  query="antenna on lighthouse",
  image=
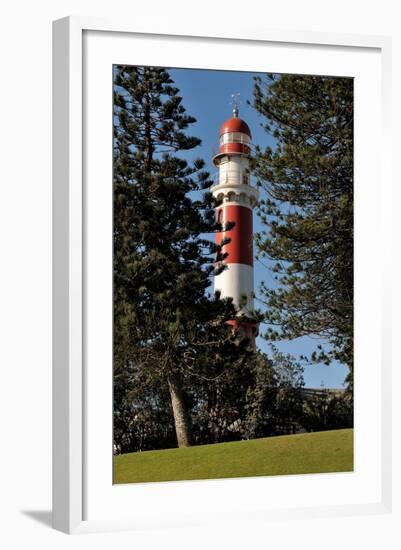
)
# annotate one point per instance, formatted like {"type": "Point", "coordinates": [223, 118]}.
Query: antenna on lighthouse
{"type": "Point", "coordinates": [235, 102]}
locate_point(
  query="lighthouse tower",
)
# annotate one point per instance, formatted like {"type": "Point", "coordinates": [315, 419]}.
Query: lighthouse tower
{"type": "Point", "coordinates": [238, 198]}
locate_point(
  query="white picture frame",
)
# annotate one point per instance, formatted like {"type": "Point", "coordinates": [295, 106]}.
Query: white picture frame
{"type": "Point", "coordinates": [72, 472]}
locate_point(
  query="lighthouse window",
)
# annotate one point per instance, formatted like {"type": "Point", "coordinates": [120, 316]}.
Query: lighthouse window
{"type": "Point", "coordinates": [234, 137]}
{"type": "Point", "coordinates": [220, 216]}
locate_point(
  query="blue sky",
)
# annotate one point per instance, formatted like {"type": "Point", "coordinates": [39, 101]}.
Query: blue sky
{"type": "Point", "coordinates": [207, 96]}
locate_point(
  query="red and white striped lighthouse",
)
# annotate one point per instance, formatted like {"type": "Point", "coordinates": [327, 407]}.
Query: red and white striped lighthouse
{"type": "Point", "coordinates": [238, 198]}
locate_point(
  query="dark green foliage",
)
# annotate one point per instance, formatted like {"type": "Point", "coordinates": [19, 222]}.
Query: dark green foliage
{"type": "Point", "coordinates": [252, 397]}
{"type": "Point", "coordinates": [221, 400]}
{"type": "Point", "coordinates": [325, 411]}
{"type": "Point", "coordinates": [167, 329]}
{"type": "Point", "coordinates": [308, 210]}
{"type": "Point", "coordinates": [256, 397]}
{"type": "Point", "coordinates": [142, 414]}
{"type": "Point", "coordinates": [274, 401]}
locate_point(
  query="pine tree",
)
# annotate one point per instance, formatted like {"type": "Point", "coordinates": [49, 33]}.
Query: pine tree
{"type": "Point", "coordinates": [308, 211]}
{"type": "Point", "coordinates": [166, 327]}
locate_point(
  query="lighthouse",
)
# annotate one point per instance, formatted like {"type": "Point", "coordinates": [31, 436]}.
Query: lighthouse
{"type": "Point", "coordinates": [237, 198]}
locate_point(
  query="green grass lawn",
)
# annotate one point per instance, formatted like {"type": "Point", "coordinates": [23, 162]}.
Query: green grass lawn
{"type": "Point", "coordinates": [308, 453]}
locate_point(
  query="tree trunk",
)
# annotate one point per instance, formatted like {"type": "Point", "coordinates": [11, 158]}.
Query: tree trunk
{"type": "Point", "coordinates": [182, 419]}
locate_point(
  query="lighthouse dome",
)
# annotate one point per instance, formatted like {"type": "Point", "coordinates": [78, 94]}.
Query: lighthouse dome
{"type": "Point", "coordinates": [235, 124]}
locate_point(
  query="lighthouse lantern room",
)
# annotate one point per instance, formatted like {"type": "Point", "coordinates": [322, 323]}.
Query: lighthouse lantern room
{"type": "Point", "coordinates": [237, 198]}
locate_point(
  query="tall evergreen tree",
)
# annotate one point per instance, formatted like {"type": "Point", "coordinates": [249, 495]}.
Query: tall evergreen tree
{"type": "Point", "coordinates": [165, 325]}
{"type": "Point", "coordinates": [308, 210]}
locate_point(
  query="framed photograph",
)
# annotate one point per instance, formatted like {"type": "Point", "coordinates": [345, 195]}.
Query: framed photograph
{"type": "Point", "coordinates": [219, 324]}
